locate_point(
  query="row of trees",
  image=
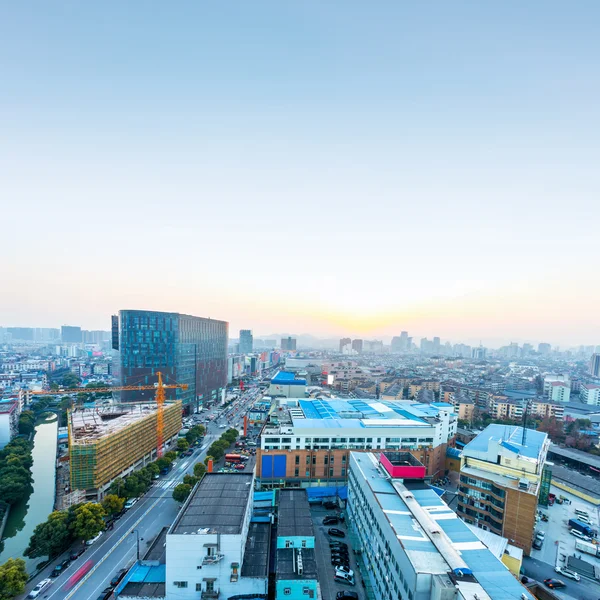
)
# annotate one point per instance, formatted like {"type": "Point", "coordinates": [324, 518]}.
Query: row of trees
{"type": "Point", "coordinates": [15, 470]}
{"type": "Point", "coordinates": [218, 448]}
{"type": "Point", "coordinates": [13, 578]}
{"type": "Point", "coordinates": [182, 491]}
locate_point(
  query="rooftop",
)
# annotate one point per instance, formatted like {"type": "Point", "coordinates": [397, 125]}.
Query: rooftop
{"type": "Point", "coordinates": [576, 455]}
{"type": "Point", "coordinates": [144, 581]}
{"type": "Point", "coordinates": [287, 563]}
{"type": "Point", "coordinates": [287, 378]}
{"type": "Point", "coordinates": [256, 553]}
{"type": "Point", "coordinates": [216, 505]}
{"type": "Point", "coordinates": [294, 514]}
{"type": "Point", "coordinates": [528, 443]}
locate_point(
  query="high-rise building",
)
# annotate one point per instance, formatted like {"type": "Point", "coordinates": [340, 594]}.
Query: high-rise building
{"type": "Point", "coordinates": [405, 341]}
{"type": "Point", "coordinates": [595, 365]}
{"type": "Point", "coordinates": [21, 334]}
{"type": "Point", "coordinates": [502, 475]}
{"type": "Point", "coordinates": [436, 345]}
{"type": "Point", "coordinates": [70, 334]}
{"type": "Point", "coordinates": [544, 348]}
{"type": "Point", "coordinates": [478, 353]}
{"type": "Point", "coordinates": [396, 345]}
{"type": "Point", "coordinates": [46, 334]}
{"type": "Point", "coordinates": [590, 394]}
{"type": "Point", "coordinates": [246, 341]}
{"type": "Point", "coordinates": [357, 346]}
{"type": "Point", "coordinates": [186, 349]}
{"type": "Point", "coordinates": [288, 344]}
{"type": "Point", "coordinates": [344, 342]}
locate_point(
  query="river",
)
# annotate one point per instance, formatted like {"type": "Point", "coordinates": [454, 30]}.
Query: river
{"type": "Point", "coordinates": [24, 516]}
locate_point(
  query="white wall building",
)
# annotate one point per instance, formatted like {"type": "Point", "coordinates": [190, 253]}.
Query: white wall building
{"type": "Point", "coordinates": [559, 391]}
{"type": "Point", "coordinates": [207, 551]}
{"type": "Point", "coordinates": [590, 393]}
{"type": "Point", "coordinates": [9, 421]}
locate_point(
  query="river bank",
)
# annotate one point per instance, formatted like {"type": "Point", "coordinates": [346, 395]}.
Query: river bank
{"type": "Point", "coordinates": [24, 516]}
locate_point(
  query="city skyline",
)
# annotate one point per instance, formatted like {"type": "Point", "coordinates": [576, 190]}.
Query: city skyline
{"type": "Point", "coordinates": [409, 167]}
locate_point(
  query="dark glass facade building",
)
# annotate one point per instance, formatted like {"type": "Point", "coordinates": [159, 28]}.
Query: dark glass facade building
{"type": "Point", "coordinates": [186, 349]}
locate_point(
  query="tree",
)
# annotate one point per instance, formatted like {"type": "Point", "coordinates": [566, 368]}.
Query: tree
{"type": "Point", "coordinates": [208, 459]}
{"type": "Point", "coordinates": [163, 463]}
{"type": "Point", "coordinates": [554, 429]}
{"type": "Point", "coordinates": [51, 537]}
{"type": "Point", "coordinates": [13, 578]}
{"type": "Point", "coordinates": [182, 445]}
{"type": "Point", "coordinates": [113, 504]}
{"type": "Point", "coordinates": [15, 483]}
{"type": "Point", "coordinates": [89, 520]}
{"type": "Point", "coordinates": [117, 487]}
{"type": "Point", "coordinates": [190, 480]}
{"type": "Point", "coordinates": [171, 455]}
{"type": "Point", "coordinates": [199, 470]}
{"type": "Point", "coordinates": [26, 422]}
{"type": "Point", "coordinates": [153, 469]}
{"type": "Point", "coordinates": [70, 380]}
{"type": "Point", "coordinates": [200, 430]}
{"type": "Point", "coordinates": [181, 492]}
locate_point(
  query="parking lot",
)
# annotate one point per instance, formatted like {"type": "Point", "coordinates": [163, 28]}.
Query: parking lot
{"type": "Point", "coordinates": [329, 587]}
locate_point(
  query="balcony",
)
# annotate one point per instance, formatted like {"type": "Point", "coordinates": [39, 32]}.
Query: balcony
{"type": "Point", "coordinates": [212, 559]}
{"type": "Point", "coordinates": [209, 595]}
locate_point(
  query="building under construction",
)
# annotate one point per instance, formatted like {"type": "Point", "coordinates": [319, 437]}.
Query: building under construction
{"type": "Point", "coordinates": [112, 441]}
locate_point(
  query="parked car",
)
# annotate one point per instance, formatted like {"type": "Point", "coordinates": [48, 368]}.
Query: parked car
{"type": "Point", "coordinates": [346, 596]}
{"type": "Point", "coordinates": [580, 535]}
{"type": "Point", "coordinates": [329, 505]}
{"type": "Point", "coordinates": [94, 539]}
{"type": "Point", "coordinates": [330, 520]}
{"type": "Point", "coordinates": [60, 568]}
{"type": "Point", "coordinates": [343, 556]}
{"type": "Point", "coordinates": [117, 578]}
{"type": "Point", "coordinates": [340, 561]}
{"type": "Point", "coordinates": [568, 573]}
{"type": "Point", "coordinates": [75, 554]}
{"type": "Point", "coordinates": [537, 544]}
{"type": "Point", "coordinates": [129, 504]}
{"type": "Point", "coordinates": [343, 578]}
{"type": "Point", "coordinates": [338, 543]}
{"type": "Point", "coordinates": [332, 531]}
{"type": "Point", "coordinates": [554, 583]}
{"type": "Point", "coordinates": [344, 570]}
{"type": "Point", "coordinates": [39, 588]}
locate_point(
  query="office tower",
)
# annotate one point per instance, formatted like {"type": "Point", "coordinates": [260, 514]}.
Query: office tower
{"type": "Point", "coordinates": [186, 349]}
{"type": "Point", "coordinates": [405, 341]}
{"type": "Point", "coordinates": [544, 348]}
{"type": "Point", "coordinates": [501, 478]}
{"type": "Point", "coordinates": [436, 345]}
{"type": "Point", "coordinates": [344, 342]}
{"type": "Point", "coordinates": [527, 349]}
{"type": "Point", "coordinates": [288, 344]}
{"type": "Point", "coordinates": [396, 344]}
{"type": "Point", "coordinates": [478, 353]}
{"type": "Point", "coordinates": [357, 346]}
{"type": "Point", "coordinates": [595, 365]}
{"type": "Point", "coordinates": [246, 341]}
{"type": "Point", "coordinates": [70, 334]}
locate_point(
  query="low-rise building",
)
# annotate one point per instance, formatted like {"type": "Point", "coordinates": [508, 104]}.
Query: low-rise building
{"type": "Point", "coordinates": [211, 549]}
{"type": "Point", "coordinates": [506, 408]}
{"type": "Point", "coordinates": [286, 384]}
{"type": "Point", "coordinates": [412, 545]}
{"type": "Point", "coordinates": [9, 421]}
{"type": "Point", "coordinates": [544, 409]}
{"type": "Point", "coordinates": [590, 393]}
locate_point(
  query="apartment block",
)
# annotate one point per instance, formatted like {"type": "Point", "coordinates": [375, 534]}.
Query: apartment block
{"type": "Point", "coordinates": [501, 477]}
{"type": "Point", "coordinates": [506, 408]}
{"type": "Point", "coordinates": [545, 409]}
{"type": "Point", "coordinates": [590, 393]}
{"type": "Point", "coordinates": [412, 545]}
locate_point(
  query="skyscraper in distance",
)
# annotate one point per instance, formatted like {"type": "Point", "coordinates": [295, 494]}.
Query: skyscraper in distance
{"type": "Point", "coordinates": [357, 346]}
{"type": "Point", "coordinates": [246, 341]}
{"type": "Point", "coordinates": [595, 365]}
{"type": "Point", "coordinates": [288, 344]}
{"type": "Point", "coordinates": [70, 334]}
{"type": "Point", "coordinates": [344, 342]}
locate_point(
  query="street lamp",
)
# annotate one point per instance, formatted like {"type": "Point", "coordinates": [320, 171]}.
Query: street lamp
{"type": "Point", "coordinates": [136, 531]}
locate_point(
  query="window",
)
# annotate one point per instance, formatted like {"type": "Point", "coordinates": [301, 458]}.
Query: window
{"type": "Point", "coordinates": [331, 460]}
{"type": "Point", "coordinates": [343, 459]}
{"type": "Point", "coordinates": [308, 459]}
{"type": "Point", "coordinates": [287, 591]}
{"type": "Point", "coordinates": [296, 472]}
{"type": "Point", "coordinates": [288, 544]}
{"type": "Point", "coordinates": [198, 587]}
{"type": "Point", "coordinates": [343, 472]}
{"type": "Point", "coordinates": [305, 591]}
{"type": "Point", "coordinates": [307, 473]}
{"type": "Point", "coordinates": [304, 543]}
{"type": "Point", "coordinates": [330, 472]}
{"type": "Point", "coordinates": [180, 584]}
{"type": "Point", "coordinates": [297, 459]}
{"type": "Point", "coordinates": [210, 586]}
{"type": "Point", "coordinates": [314, 460]}
{"type": "Point", "coordinates": [325, 460]}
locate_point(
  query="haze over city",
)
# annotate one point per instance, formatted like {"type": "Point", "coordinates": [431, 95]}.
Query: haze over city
{"type": "Point", "coordinates": [306, 167]}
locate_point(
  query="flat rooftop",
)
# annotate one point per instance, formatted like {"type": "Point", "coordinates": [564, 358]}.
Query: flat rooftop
{"type": "Point", "coordinates": [287, 559]}
{"type": "Point", "coordinates": [95, 423]}
{"type": "Point", "coordinates": [510, 437]}
{"type": "Point", "coordinates": [294, 517]}
{"type": "Point", "coordinates": [144, 581]}
{"type": "Point", "coordinates": [576, 455]}
{"type": "Point", "coordinates": [256, 553]}
{"type": "Point", "coordinates": [287, 378]}
{"type": "Point", "coordinates": [217, 504]}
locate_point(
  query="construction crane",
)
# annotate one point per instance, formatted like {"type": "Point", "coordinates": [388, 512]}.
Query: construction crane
{"type": "Point", "coordinates": [160, 388]}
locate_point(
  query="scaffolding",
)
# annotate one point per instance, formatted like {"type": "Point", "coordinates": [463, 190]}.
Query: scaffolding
{"type": "Point", "coordinates": [105, 442]}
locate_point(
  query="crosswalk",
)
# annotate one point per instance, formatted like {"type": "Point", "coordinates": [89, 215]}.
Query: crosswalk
{"type": "Point", "coordinates": [166, 485]}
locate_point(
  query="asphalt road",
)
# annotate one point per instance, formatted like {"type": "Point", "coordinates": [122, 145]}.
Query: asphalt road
{"type": "Point", "coordinates": [117, 549]}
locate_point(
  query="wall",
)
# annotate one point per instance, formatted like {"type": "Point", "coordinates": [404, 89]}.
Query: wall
{"type": "Point", "coordinates": [519, 518]}
{"type": "Point", "coordinates": [296, 589]}
{"type": "Point", "coordinates": [296, 541]}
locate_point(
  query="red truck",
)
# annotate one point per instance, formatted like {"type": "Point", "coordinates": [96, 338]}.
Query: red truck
{"type": "Point", "coordinates": [233, 458]}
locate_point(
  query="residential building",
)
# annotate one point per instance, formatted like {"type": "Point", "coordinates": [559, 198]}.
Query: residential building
{"type": "Point", "coordinates": [595, 365]}
{"type": "Point", "coordinates": [344, 342]}
{"type": "Point", "coordinates": [544, 349]}
{"type": "Point", "coordinates": [396, 344]}
{"type": "Point", "coordinates": [21, 334]}
{"type": "Point", "coordinates": [357, 346]}
{"type": "Point", "coordinates": [501, 476]}
{"type": "Point", "coordinates": [506, 408]}
{"type": "Point", "coordinates": [544, 409]}
{"type": "Point", "coordinates": [186, 349]}
{"type": "Point", "coordinates": [214, 550]}
{"type": "Point", "coordinates": [286, 384]}
{"type": "Point", "coordinates": [288, 344]}
{"type": "Point", "coordinates": [559, 391]}
{"type": "Point", "coordinates": [590, 393]}
{"type": "Point", "coordinates": [9, 421]}
{"type": "Point", "coordinates": [110, 442]}
{"type": "Point", "coordinates": [246, 341]}
{"type": "Point", "coordinates": [412, 545]}
{"type": "Point", "coordinates": [307, 442]}
{"type": "Point", "coordinates": [466, 408]}
{"type": "Point", "coordinates": [479, 353]}
{"type": "Point", "coordinates": [70, 334]}
{"type": "Point", "coordinates": [553, 378]}
{"type": "Point", "coordinates": [295, 565]}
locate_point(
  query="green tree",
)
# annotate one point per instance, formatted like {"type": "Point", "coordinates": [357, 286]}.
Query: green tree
{"type": "Point", "coordinates": [15, 483]}
{"type": "Point", "coordinates": [208, 458]}
{"type": "Point", "coordinates": [190, 480]}
{"type": "Point", "coordinates": [181, 492]}
{"type": "Point", "coordinates": [171, 455]}
{"type": "Point", "coordinates": [26, 422]}
{"type": "Point", "coordinates": [113, 504]}
{"type": "Point", "coordinates": [153, 469]}
{"type": "Point", "coordinates": [13, 578]}
{"type": "Point", "coordinates": [70, 380]}
{"type": "Point", "coordinates": [117, 487]}
{"type": "Point", "coordinates": [89, 520]}
{"type": "Point", "coordinates": [200, 430]}
{"type": "Point", "coordinates": [182, 445]}
{"type": "Point", "coordinates": [199, 470]}
{"type": "Point", "coordinates": [163, 463]}
{"type": "Point", "coordinates": [51, 537]}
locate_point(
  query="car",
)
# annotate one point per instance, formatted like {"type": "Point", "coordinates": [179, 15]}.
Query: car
{"type": "Point", "coordinates": [580, 535]}
{"type": "Point", "coordinates": [541, 535]}
{"type": "Point", "coordinates": [329, 505]}
{"type": "Point", "coordinates": [75, 554]}
{"type": "Point", "coordinates": [120, 574]}
{"type": "Point", "coordinates": [39, 588]}
{"type": "Point", "coordinates": [341, 555]}
{"type": "Point", "coordinates": [346, 596]}
{"type": "Point", "coordinates": [344, 570]}
{"type": "Point", "coordinates": [342, 578]}
{"type": "Point", "coordinates": [94, 539]}
{"type": "Point", "coordinates": [554, 583]}
{"type": "Point", "coordinates": [222, 426]}
{"type": "Point", "coordinates": [60, 568]}
{"type": "Point", "coordinates": [581, 513]}
{"type": "Point", "coordinates": [330, 520]}
{"type": "Point", "coordinates": [129, 504]}
{"type": "Point", "coordinates": [537, 544]}
{"type": "Point", "coordinates": [337, 544]}
{"type": "Point", "coordinates": [568, 573]}
{"type": "Point", "coordinates": [584, 519]}
{"type": "Point", "coordinates": [336, 562]}
{"type": "Point", "coordinates": [332, 531]}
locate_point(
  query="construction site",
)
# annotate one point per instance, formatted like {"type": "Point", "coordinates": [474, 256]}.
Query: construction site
{"type": "Point", "coordinates": [112, 441]}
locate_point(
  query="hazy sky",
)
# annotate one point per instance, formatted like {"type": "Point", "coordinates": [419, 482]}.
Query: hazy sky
{"type": "Point", "coordinates": [319, 167]}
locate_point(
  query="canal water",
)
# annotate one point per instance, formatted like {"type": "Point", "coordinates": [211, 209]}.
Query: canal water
{"type": "Point", "coordinates": [24, 516]}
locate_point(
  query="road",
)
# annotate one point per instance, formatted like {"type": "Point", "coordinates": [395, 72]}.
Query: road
{"type": "Point", "coordinates": [117, 549]}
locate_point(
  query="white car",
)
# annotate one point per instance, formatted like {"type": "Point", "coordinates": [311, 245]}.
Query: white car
{"type": "Point", "coordinates": [222, 426]}
{"type": "Point", "coordinates": [345, 571]}
{"type": "Point", "coordinates": [580, 535]}
{"type": "Point", "coordinates": [541, 535]}
{"type": "Point", "coordinates": [568, 573]}
{"type": "Point", "coordinates": [39, 588]}
{"type": "Point", "coordinates": [94, 539]}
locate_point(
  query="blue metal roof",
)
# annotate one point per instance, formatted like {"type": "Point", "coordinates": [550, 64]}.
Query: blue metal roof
{"type": "Point", "coordinates": [287, 378]}
{"type": "Point", "coordinates": [510, 437]}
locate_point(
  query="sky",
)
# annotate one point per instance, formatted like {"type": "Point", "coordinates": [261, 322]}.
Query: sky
{"type": "Point", "coordinates": [334, 168]}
